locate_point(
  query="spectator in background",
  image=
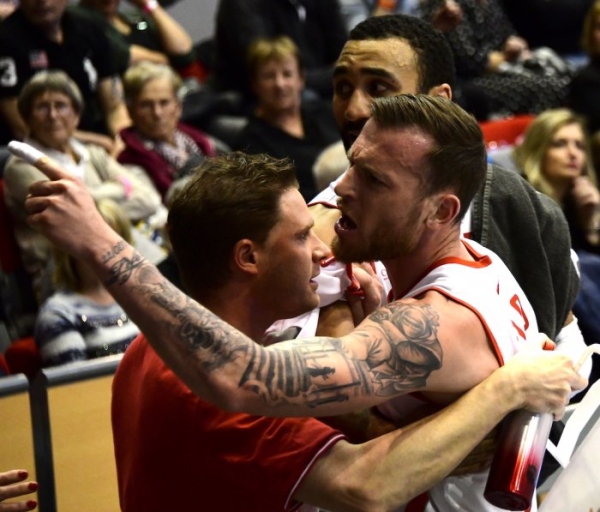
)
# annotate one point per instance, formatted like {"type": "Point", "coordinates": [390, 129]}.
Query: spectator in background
{"type": "Point", "coordinates": [44, 34]}
{"type": "Point", "coordinates": [584, 94]}
{"type": "Point", "coordinates": [82, 320]}
{"type": "Point", "coordinates": [6, 8]}
{"type": "Point", "coordinates": [499, 73]}
{"type": "Point", "coordinates": [282, 125]}
{"type": "Point", "coordinates": [147, 33]}
{"type": "Point", "coordinates": [316, 26]}
{"type": "Point", "coordinates": [157, 141]}
{"type": "Point", "coordinates": [554, 157]}
{"type": "Point", "coordinates": [51, 105]}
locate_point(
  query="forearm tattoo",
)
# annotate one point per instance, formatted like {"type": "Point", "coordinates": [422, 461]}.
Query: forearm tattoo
{"type": "Point", "coordinates": [393, 353]}
{"type": "Point", "coordinates": [401, 350]}
{"type": "Point", "coordinates": [121, 271]}
{"type": "Point", "coordinates": [108, 255]}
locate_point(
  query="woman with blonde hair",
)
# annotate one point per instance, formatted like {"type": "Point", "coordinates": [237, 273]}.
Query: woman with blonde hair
{"type": "Point", "coordinates": [282, 124]}
{"type": "Point", "coordinates": [81, 320]}
{"type": "Point", "coordinates": [555, 159]}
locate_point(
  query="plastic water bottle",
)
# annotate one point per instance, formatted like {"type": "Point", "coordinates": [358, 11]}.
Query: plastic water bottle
{"type": "Point", "coordinates": [518, 459]}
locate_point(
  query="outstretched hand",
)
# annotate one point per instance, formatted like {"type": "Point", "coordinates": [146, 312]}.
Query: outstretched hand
{"type": "Point", "coordinates": [12, 485]}
{"type": "Point", "coordinates": [62, 208]}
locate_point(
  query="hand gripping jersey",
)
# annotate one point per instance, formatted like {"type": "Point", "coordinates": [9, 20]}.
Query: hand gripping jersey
{"type": "Point", "coordinates": [487, 288]}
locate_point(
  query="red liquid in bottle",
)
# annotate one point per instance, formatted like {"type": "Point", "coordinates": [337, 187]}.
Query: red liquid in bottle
{"type": "Point", "coordinates": [517, 462]}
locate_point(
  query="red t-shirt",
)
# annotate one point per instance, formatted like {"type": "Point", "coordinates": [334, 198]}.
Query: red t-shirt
{"type": "Point", "coordinates": [175, 451]}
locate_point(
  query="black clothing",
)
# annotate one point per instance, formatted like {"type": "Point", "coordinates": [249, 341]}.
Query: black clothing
{"type": "Point", "coordinates": [85, 54]}
{"type": "Point", "coordinates": [316, 26]}
{"type": "Point", "coordinates": [320, 130]}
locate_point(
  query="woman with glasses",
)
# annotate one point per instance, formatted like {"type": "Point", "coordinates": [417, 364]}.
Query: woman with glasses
{"type": "Point", "coordinates": [51, 105]}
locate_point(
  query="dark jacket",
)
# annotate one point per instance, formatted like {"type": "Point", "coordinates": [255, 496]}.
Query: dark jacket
{"type": "Point", "coordinates": [529, 232]}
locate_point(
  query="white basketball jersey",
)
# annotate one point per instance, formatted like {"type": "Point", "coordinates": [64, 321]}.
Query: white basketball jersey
{"type": "Point", "coordinates": [487, 288]}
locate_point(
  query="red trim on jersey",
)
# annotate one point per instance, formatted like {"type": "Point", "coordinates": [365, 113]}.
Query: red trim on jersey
{"type": "Point", "coordinates": [497, 351]}
{"type": "Point", "coordinates": [480, 261]}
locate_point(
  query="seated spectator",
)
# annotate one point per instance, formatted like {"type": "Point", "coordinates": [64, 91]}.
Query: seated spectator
{"type": "Point", "coordinates": [555, 159]}
{"type": "Point", "coordinates": [51, 105]}
{"type": "Point", "coordinates": [499, 73]}
{"type": "Point", "coordinates": [40, 36]}
{"type": "Point", "coordinates": [6, 8]}
{"type": "Point", "coordinates": [315, 26]}
{"type": "Point", "coordinates": [82, 320]}
{"type": "Point", "coordinates": [584, 94]}
{"type": "Point", "coordinates": [157, 141]}
{"type": "Point", "coordinates": [147, 33]}
{"type": "Point", "coordinates": [282, 125]}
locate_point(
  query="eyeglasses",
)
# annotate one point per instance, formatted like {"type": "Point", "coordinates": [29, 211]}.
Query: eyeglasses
{"type": "Point", "coordinates": [45, 107]}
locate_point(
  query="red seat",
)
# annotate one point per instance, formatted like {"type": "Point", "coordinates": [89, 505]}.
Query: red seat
{"type": "Point", "coordinates": [505, 132]}
{"type": "Point", "coordinates": [10, 258]}
{"type": "Point", "coordinates": [22, 356]}
{"type": "Point", "coordinates": [4, 370]}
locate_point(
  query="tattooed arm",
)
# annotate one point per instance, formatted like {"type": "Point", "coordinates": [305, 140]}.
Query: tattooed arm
{"type": "Point", "coordinates": [400, 348]}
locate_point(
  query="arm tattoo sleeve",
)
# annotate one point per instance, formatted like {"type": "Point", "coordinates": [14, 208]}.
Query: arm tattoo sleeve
{"type": "Point", "coordinates": [399, 350]}
{"type": "Point", "coordinates": [392, 353]}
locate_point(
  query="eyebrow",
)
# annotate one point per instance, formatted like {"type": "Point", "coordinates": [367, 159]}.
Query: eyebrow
{"type": "Point", "coordinates": [380, 72]}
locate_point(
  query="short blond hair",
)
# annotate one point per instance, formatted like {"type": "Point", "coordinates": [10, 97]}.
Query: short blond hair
{"type": "Point", "coordinates": [265, 50]}
{"type": "Point", "coordinates": [136, 77]}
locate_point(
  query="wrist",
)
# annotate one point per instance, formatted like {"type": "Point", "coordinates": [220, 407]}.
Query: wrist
{"type": "Point", "coordinates": [150, 6]}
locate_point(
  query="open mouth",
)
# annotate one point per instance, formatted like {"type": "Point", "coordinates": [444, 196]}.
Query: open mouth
{"type": "Point", "coordinates": [345, 223]}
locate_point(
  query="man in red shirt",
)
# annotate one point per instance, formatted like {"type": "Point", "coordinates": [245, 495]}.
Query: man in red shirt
{"type": "Point", "coordinates": [176, 451]}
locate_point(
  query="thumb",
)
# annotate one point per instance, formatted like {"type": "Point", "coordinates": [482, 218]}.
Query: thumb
{"type": "Point", "coordinates": [36, 158]}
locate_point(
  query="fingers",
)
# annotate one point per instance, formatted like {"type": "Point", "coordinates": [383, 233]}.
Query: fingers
{"type": "Point", "coordinates": [365, 294]}
{"type": "Point", "coordinates": [35, 157]}
{"type": "Point", "coordinates": [12, 485]}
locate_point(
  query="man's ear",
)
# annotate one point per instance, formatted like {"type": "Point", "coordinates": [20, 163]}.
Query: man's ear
{"type": "Point", "coordinates": [441, 90]}
{"type": "Point", "coordinates": [446, 209]}
{"type": "Point", "coordinates": [244, 257]}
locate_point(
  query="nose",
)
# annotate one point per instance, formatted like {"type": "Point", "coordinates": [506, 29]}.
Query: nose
{"type": "Point", "coordinates": [344, 187]}
{"type": "Point", "coordinates": [359, 106]}
{"type": "Point", "coordinates": [279, 80]}
{"type": "Point", "coordinates": [320, 250]}
{"type": "Point", "coordinates": [53, 111]}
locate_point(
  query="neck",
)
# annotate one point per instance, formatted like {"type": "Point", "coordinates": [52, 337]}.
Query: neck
{"type": "Point", "coordinates": [560, 189]}
{"type": "Point", "coordinates": [406, 270]}
{"type": "Point", "coordinates": [92, 288]}
{"type": "Point", "coordinates": [53, 32]}
{"type": "Point", "coordinates": [289, 120]}
{"type": "Point", "coordinates": [238, 307]}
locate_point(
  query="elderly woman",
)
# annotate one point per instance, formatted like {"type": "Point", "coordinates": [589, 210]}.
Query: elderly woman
{"type": "Point", "coordinates": [282, 125]}
{"type": "Point", "coordinates": [82, 320]}
{"type": "Point", "coordinates": [157, 141]}
{"type": "Point", "coordinates": [51, 104]}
